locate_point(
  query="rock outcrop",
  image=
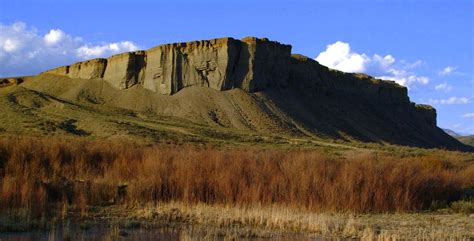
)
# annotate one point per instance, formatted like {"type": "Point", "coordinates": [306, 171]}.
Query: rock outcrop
{"type": "Point", "coordinates": [4, 82]}
{"type": "Point", "coordinates": [426, 114]}
{"type": "Point", "coordinates": [125, 70]}
{"type": "Point", "coordinates": [90, 69]}
{"type": "Point", "coordinates": [308, 74]}
{"type": "Point", "coordinates": [251, 64]}
{"type": "Point", "coordinates": [172, 67]}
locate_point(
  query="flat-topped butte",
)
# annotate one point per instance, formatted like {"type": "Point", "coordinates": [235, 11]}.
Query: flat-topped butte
{"type": "Point", "coordinates": [251, 64]}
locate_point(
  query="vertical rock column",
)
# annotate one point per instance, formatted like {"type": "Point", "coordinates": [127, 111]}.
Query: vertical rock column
{"type": "Point", "coordinates": [160, 72]}
{"type": "Point", "coordinates": [251, 64]}
{"type": "Point", "coordinates": [268, 64]}
{"type": "Point", "coordinates": [91, 69]}
{"type": "Point", "coordinates": [125, 70]}
{"type": "Point", "coordinates": [204, 63]}
{"type": "Point", "coordinates": [63, 70]}
{"type": "Point", "coordinates": [172, 67]}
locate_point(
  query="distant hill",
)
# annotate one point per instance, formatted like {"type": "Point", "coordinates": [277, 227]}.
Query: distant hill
{"type": "Point", "coordinates": [221, 89]}
{"type": "Point", "coordinates": [451, 132]}
{"type": "Point", "coordinates": [468, 140]}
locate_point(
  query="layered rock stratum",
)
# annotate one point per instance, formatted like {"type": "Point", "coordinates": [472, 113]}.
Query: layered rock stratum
{"type": "Point", "coordinates": [252, 84]}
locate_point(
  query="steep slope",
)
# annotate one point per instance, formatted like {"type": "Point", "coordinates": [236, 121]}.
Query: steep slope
{"type": "Point", "coordinates": [249, 87]}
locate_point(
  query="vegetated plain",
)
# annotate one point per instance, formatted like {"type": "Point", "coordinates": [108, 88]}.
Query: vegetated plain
{"type": "Point", "coordinates": [329, 191]}
{"type": "Point", "coordinates": [468, 140]}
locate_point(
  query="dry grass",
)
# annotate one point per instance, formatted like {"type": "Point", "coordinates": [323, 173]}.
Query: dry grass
{"type": "Point", "coordinates": [273, 219]}
{"type": "Point", "coordinates": [227, 222]}
{"type": "Point", "coordinates": [35, 173]}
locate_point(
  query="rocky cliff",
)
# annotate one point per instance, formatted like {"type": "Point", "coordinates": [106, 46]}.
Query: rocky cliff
{"type": "Point", "coordinates": [251, 64]}
{"type": "Point", "coordinates": [317, 99]}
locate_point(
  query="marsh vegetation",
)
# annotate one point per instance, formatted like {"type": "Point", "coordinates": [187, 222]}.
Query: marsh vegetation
{"type": "Point", "coordinates": [314, 191]}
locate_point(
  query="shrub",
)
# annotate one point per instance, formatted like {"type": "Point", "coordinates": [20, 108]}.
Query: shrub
{"type": "Point", "coordinates": [40, 172]}
{"type": "Point", "coordinates": [463, 206]}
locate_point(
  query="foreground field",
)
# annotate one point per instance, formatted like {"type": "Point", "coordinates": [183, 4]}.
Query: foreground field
{"type": "Point", "coordinates": [335, 192]}
{"type": "Point", "coordinates": [228, 222]}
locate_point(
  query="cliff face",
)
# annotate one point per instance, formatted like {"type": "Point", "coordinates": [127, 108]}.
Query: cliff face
{"type": "Point", "coordinates": [308, 74]}
{"type": "Point", "coordinates": [90, 69]}
{"type": "Point", "coordinates": [125, 70]}
{"type": "Point", "coordinates": [382, 108]}
{"type": "Point", "coordinates": [251, 64]}
{"type": "Point", "coordinates": [202, 63]}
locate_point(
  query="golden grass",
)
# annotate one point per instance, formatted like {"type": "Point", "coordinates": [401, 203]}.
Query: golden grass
{"type": "Point", "coordinates": [38, 172]}
{"type": "Point", "coordinates": [273, 219]}
{"type": "Point", "coordinates": [214, 222]}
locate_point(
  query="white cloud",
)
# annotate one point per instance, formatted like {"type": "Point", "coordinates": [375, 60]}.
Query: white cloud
{"type": "Point", "coordinates": [24, 50]}
{"type": "Point", "coordinates": [468, 115]}
{"type": "Point", "coordinates": [340, 56]}
{"type": "Point", "coordinates": [404, 77]}
{"type": "Point", "coordinates": [54, 36]}
{"type": "Point", "coordinates": [10, 45]}
{"type": "Point", "coordinates": [90, 51]}
{"type": "Point", "coordinates": [443, 87]}
{"type": "Point", "coordinates": [451, 101]}
{"type": "Point", "coordinates": [447, 71]}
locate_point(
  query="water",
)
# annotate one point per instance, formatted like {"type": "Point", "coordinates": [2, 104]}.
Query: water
{"type": "Point", "coordinates": [115, 234]}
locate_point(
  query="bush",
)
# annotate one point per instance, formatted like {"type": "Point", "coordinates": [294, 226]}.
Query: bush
{"type": "Point", "coordinates": [39, 172]}
{"type": "Point", "coordinates": [463, 206]}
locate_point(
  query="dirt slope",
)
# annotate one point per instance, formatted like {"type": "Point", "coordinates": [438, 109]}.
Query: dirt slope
{"type": "Point", "coordinates": [50, 104]}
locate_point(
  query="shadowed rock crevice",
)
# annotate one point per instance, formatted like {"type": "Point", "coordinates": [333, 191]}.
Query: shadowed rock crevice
{"type": "Point", "coordinates": [239, 65]}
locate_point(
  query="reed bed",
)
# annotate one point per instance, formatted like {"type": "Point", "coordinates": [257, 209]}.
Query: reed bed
{"type": "Point", "coordinates": [36, 173]}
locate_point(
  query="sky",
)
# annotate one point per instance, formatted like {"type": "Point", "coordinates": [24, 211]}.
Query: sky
{"type": "Point", "coordinates": [425, 45]}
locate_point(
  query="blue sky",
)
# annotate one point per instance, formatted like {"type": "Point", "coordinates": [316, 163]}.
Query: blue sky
{"type": "Point", "coordinates": [425, 45]}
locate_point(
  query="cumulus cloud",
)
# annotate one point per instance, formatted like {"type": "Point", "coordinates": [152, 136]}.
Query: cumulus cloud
{"type": "Point", "coordinates": [443, 87]}
{"type": "Point", "coordinates": [89, 51]}
{"type": "Point", "coordinates": [24, 50]}
{"type": "Point", "coordinates": [451, 101]}
{"type": "Point", "coordinates": [340, 56]}
{"type": "Point", "coordinates": [54, 36]}
{"type": "Point", "coordinates": [447, 71]}
{"type": "Point", "coordinates": [468, 115]}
